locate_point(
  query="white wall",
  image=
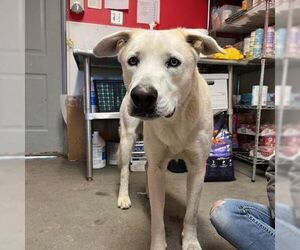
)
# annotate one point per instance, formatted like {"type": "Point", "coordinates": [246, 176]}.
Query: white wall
{"type": "Point", "coordinates": [84, 36]}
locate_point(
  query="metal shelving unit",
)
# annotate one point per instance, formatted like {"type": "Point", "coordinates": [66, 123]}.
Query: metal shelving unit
{"type": "Point", "coordinates": [261, 82]}
{"type": "Point", "coordinates": [87, 62]}
{"type": "Point", "coordinates": [261, 15]}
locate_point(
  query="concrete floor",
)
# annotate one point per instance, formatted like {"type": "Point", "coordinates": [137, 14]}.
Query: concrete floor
{"type": "Point", "coordinates": [64, 211]}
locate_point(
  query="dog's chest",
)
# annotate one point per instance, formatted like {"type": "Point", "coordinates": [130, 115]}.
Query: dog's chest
{"type": "Point", "coordinates": [176, 138]}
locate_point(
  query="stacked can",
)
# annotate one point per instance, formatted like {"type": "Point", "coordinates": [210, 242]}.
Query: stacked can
{"type": "Point", "coordinates": [258, 43]}
{"type": "Point", "coordinates": [280, 36]}
{"type": "Point", "coordinates": [246, 47]}
{"type": "Point", "coordinates": [270, 42]}
{"type": "Point", "coordinates": [251, 45]}
{"type": "Point", "coordinates": [293, 50]}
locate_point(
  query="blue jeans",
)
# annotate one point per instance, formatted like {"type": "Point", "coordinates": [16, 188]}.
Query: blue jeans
{"type": "Point", "coordinates": [287, 230]}
{"type": "Point", "coordinates": [246, 225]}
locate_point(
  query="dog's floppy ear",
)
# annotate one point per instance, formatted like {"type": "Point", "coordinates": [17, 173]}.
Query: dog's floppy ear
{"type": "Point", "coordinates": [111, 44]}
{"type": "Point", "coordinates": [202, 43]}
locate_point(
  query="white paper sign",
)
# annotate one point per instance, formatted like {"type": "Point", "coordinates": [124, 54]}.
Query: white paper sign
{"type": "Point", "coordinates": [94, 4]}
{"type": "Point", "coordinates": [116, 4]}
{"type": "Point", "coordinates": [148, 11]}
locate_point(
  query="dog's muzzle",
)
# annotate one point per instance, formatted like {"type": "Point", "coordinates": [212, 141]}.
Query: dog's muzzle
{"type": "Point", "coordinates": [144, 99]}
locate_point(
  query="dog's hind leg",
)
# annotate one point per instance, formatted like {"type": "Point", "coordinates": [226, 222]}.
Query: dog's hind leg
{"type": "Point", "coordinates": [128, 134]}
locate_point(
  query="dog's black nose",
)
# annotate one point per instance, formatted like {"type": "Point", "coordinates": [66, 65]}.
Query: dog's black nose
{"type": "Point", "coordinates": [144, 97]}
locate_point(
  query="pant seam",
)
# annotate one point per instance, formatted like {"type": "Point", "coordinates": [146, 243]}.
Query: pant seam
{"type": "Point", "coordinates": [257, 210]}
{"type": "Point", "coordinates": [258, 223]}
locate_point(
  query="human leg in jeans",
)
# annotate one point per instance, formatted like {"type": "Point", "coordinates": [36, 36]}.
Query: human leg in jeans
{"type": "Point", "coordinates": [288, 232]}
{"type": "Point", "coordinates": [246, 225]}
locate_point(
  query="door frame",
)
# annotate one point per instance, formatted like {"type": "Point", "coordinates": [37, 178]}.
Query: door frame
{"type": "Point", "coordinates": [63, 4]}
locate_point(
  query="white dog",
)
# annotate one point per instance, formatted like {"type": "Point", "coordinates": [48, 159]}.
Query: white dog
{"type": "Point", "coordinates": [166, 92]}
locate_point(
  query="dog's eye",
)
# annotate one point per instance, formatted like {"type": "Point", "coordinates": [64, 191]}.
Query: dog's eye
{"type": "Point", "coordinates": [133, 61]}
{"type": "Point", "coordinates": [173, 62]}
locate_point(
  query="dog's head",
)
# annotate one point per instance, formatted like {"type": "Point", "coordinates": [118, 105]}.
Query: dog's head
{"type": "Point", "coordinates": [158, 66]}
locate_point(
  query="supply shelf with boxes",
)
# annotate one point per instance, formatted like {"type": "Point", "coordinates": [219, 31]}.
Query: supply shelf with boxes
{"type": "Point", "coordinates": [254, 18]}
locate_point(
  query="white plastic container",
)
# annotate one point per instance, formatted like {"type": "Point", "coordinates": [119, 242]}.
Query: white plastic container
{"type": "Point", "coordinates": [99, 152]}
{"type": "Point", "coordinates": [112, 156]}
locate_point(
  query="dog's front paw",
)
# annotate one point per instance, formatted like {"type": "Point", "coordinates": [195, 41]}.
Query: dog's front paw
{"type": "Point", "coordinates": [124, 202]}
{"type": "Point", "coordinates": [191, 244]}
{"type": "Point", "coordinates": [158, 245]}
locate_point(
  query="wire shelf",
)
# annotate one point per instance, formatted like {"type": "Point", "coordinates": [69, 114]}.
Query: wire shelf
{"type": "Point", "coordinates": [247, 158]}
{"type": "Point", "coordinates": [242, 62]}
{"type": "Point", "coordinates": [268, 107]}
{"type": "Point", "coordinates": [243, 106]}
{"type": "Point", "coordinates": [246, 21]}
{"type": "Point", "coordinates": [103, 116]}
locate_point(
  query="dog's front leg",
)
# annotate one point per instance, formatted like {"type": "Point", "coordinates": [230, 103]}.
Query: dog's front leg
{"type": "Point", "coordinates": [126, 143]}
{"type": "Point", "coordinates": [195, 178]}
{"type": "Point", "coordinates": [156, 156]}
{"type": "Point", "coordinates": [156, 184]}
{"type": "Point", "coordinates": [189, 234]}
{"type": "Point", "coordinates": [128, 134]}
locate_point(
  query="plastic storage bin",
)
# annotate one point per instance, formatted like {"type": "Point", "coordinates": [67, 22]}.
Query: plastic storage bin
{"type": "Point", "coordinates": [110, 94]}
{"type": "Point", "coordinates": [228, 10]}
{"type": "Point", "coordinates": [218, 89]}
{"type": "Point", "coordinates": [220, 14]}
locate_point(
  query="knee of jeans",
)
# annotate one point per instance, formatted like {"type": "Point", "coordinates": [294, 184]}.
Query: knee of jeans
{"type": "Point", "coordinates": [219, 214]}
{"type": "Point", "coordinates": [216, 208]}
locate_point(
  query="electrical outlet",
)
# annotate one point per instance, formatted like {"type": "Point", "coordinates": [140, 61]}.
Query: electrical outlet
{"type": "Point", "coordinates": [116, 17]}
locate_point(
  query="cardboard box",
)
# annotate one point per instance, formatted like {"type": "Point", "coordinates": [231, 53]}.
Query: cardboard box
{"type": "Point", "coordinates": [138, 157]}
{"type": "Point", "coordinates": [218, 89]}
{"type": "Point", "coordinates": [75, 128]}
{"type": "Point", "coordinates": [138, 165]}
